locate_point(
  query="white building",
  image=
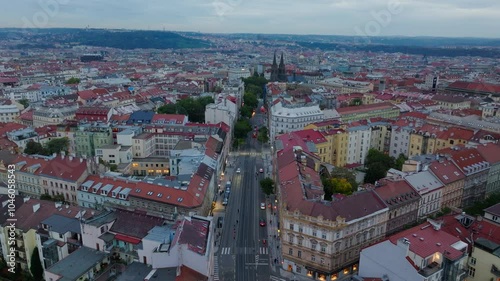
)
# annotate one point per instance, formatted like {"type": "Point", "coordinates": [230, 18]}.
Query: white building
{"type": "Point", "coordinates": [359, 143]}
{"type": "Point", "coordinates": [422, 253]}
{"type": "Point", "coordinates": [237, 73]}
{"type": "Point", "coordinates": [400, 141]}
{"type": "Point", "coordinates": [115, 154]}
{"type": "Point", "coordinates": [8, 113]}
{"type": "Point", "coordinates": [431, 190]}
{"type": "Point", "coordinates": [290, 118]}
{"type": "Point", "coordinates": [224, 110]}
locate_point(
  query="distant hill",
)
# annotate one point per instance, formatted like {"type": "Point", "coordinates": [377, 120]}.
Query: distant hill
{"type": "Point", "coordinates": [120, 39]}
{"type": "Point", "coordinates": [137, 40]}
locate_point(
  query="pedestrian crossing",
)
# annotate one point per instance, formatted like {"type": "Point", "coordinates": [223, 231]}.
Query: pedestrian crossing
{"type": "Point", "coordinates": [274, 278]}
{"type": "Point", "coordinates": [216, 268]}
{"type": "Point", "coordinates": [244, 251]}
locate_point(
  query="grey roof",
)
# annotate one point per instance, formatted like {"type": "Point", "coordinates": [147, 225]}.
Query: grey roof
{"type": "Point", "coordinates": [393, 262]}
{"type": "Point", "coordinates": [62, 224]}
{"type": "Point", "coordinates": [160, 234]}
{"type": "Point", "coordinates": [494, 210]}
{"type": "Point", "coordinates": [77, 264]}
{"type": "Point", "coordinates": [135, 272]}
{"type": "Point", "coordinates": [423, 182]}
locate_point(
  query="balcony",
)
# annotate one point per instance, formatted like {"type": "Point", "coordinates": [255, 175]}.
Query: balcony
{"type": "Point", "coordinates": [430, 269]}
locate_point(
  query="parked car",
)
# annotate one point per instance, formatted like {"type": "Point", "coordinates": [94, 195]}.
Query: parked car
{"type": "Point", "coordinates": [238, 170]}
{"type": "Point", "coordinates": [262, 206]}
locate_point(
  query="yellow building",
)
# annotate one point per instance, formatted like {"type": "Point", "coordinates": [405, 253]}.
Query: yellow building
{"type": "Point", "coordinates": [363, 112]}
{"type": "Point", "coordinates": [151, 166]}
{"type": "Point", "coordinates": [484, 261]}
{"type": "Point", "coordinates": [337, 144]}
{"type": "Point", "coordinates": [430, 138]}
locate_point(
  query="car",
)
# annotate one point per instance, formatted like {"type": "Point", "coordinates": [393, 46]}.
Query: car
{"type": "Point", "coordinates": [261, 170]}
{"type": "Point", "coordinates": [225, 202]}
{"type": "Point", "coordinates": [262, 222]}
{"type": "Point", "coordinates": [262, 206]}
{"type": "Point", "coordinates": [238, 170]}
{"type": "Point", "coordinates": [254, 135]}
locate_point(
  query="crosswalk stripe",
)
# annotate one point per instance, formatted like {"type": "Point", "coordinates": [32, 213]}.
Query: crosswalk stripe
{"type": "Point", "coordinates": [216, 268]}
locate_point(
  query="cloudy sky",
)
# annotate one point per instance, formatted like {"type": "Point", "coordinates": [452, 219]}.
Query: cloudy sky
{"type": "Point", "coordinates": [455, 18]}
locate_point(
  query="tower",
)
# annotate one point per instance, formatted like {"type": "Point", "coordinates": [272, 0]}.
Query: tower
{"type": "Point", "coordinates": [274, 70]}
{"type": "Point", "coordinates": [282, 71]}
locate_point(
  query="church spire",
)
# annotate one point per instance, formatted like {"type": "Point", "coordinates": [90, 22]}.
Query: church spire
{"type": "Point", "coordinates": [282, 63]}
{"type": "Point", "coordinates": [282, 77]}
{"type": "Point", "coordinates": [274, 60]}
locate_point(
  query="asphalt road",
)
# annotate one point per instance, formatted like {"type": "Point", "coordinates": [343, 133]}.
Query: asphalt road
{"type": "Point", "coordinates": [242, 254]}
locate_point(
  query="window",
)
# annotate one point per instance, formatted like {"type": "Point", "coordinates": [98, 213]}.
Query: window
{"type": "Point", "coordinates": [292, 226]}
{"type": "Point", "coordinates": [323, 235]}
{"type": "Point", "coordinates": [290, 252]}
{"type": "Point", "coordinates": [323, 249]}
{"type": "Point", "coordinates": [472, 261]}
{"type": "Point", "coordinates": [290, 239]}
{"type": "Point", "coordinates": [315, 233]}
{"type": "Point", "coordinates": [300, 229]}
{"type": "Point", "coordinates": [472, 271]}
{"type": "Point", "coordinates": [313, 258]}
{"type": "Point", "coordinates": [299, 254]}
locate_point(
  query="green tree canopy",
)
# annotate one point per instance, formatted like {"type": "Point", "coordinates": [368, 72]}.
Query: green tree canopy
{"type": "Point", "coordinates": [263, 136]}
{"type": "Point", "coordinates": [73, 80]}
{"type": "Point", "coordinates": [246, 111]}
{"type": "Point", "coordinates": [242, 128]}
{"type": "Point", "coordinates": [24, 102]}
{"type": "Point", "coordinates": [57, 145]}
{"type": "Point", "coordinates": [377, 164]}
{"type": "Point", "coordinates": [36, 266]}
{"type": "Point", "coordinates": [193, 108]}
{"type": "Point", "coordinates": [267, 186]}
{"type": "Point", "coordinates": [250, 99]}
{"type": "Point", "coordinates": [33, 147]}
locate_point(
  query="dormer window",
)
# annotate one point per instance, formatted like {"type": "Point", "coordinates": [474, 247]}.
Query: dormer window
{"type": "Point", "coordinates": [104, 192]}
{"type": "Point", "coordinates": [113, 194]}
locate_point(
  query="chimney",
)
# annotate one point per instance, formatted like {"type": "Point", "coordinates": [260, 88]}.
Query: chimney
{"type": "Point", "coordinates": [54, 154]}
{"type": "Point", "coordinates": [303, 160]}
{"type": "Point", "coordinates": [81, 160]}
{"type": "Point", "coordinates": [70, 158]}
{"type": "Point", "coordinates": [36, 207]}
{"type": "Point", "coordinates": [26, 199]}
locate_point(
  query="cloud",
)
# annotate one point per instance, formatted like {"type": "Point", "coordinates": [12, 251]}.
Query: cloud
{"type": "Point", "coordinates": [419, 17]}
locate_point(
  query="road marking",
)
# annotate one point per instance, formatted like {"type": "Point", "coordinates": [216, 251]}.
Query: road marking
{"type": "Point", "coordinates": [274, 278]}
{"type": "Point", "coordinates": [226, 251]}
{"type": "Point", "coordinates": [216, 268]}
{"type": "Point", "coordinates": [263, 251]}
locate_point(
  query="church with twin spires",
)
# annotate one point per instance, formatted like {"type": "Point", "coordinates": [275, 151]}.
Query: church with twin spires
{"type": "Point", "coordinates": [278, 73]}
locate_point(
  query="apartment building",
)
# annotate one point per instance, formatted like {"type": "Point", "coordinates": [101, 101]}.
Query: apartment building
{"type": "Point", "coordinates": [476, 170]}
{"type": "Point", "coordinates": [285, 118]}
{"type": "Point", "coordinates": [363, 112]}
{"type": "Point", "coordinates": [452, 102]}
{"type": "Point", "coordinates": [453, 180]}
{"type": "Point", "coordinates": [400, 140]}
{"type": "Point", "coordinates": [29, 217]}
{"type": "Point", "coordinates": [359, 143]}
{"type": "Point", "coordinates": [54, 113]}
{"type": "Point", "coordinates": [430, 189]}
{"type": "Point", "coordinates": [491, 153]}
{"type": "Point", "coordinates": [91, 136]}
{"type": "Point", "coordinates": [8, 112]}
{"type": "Point", "coordinates": [401, 199]}
{"type": "Point", "coordinates": [424, 252]}
{"type": "Point", "coordinates": [323, 239]}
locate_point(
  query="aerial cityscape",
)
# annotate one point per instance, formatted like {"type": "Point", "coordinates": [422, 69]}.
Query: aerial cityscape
{"type": "Point", "coordinates": [231, 140]}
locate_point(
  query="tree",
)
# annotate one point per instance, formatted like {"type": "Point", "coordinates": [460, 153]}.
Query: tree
{"type": "Point", "coordinates": [250, 99]}
{"type": "Point", "coordinates": [377, 164]}
{"type": "Point", "coordinates": [169, 108]}
{"type": "Point", "coordinates": [36, 266]}
{"type": "Point", "coordinates": [33, 147]}
{"type": "Point", "coordinates": [478, 207]}
{"type": "Point", "coordinates": [246, 111]}
{"type": "Point", "coordinates": [242, 128]}
{"type": "Point", "coordinates": [263, 136]}
{"type": "Point", "coordinates": [339, 172]}
{"type": "Point", "coordinates": [267, 186]}
{"type": "Point", "coordinates": [24, 102]}
{"type": "Point", "coordinates": [356, 102]}
{"type": "Point", "coordinates": [374, 173]}
{"type": "Point", "coordinates": [73, 80]}
{"type": "Point", "coordinates": [57, 145]}
{"type": "Point", "coordinates": [400, 161]}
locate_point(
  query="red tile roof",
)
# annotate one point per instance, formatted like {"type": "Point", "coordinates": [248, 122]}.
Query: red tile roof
{"type": "Point", "coordinates": [426, 241]}
{"type": "Point", "coordinates": [446, 171]}
{"type": "Point", "coordinates": [188, 274]}
{"type": "Point", "coordinates": [490, 152]}
{"type": "Point", "coordinates": [365, 108]}
{"type": "Point", "coordinates": [169, 118]}
{"type": "Point", "coordinates": [9, 127]}
{"type": "Point", "coordinates": [475, 228]}
{"type": "Point", "coordinates": [67, 168]}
